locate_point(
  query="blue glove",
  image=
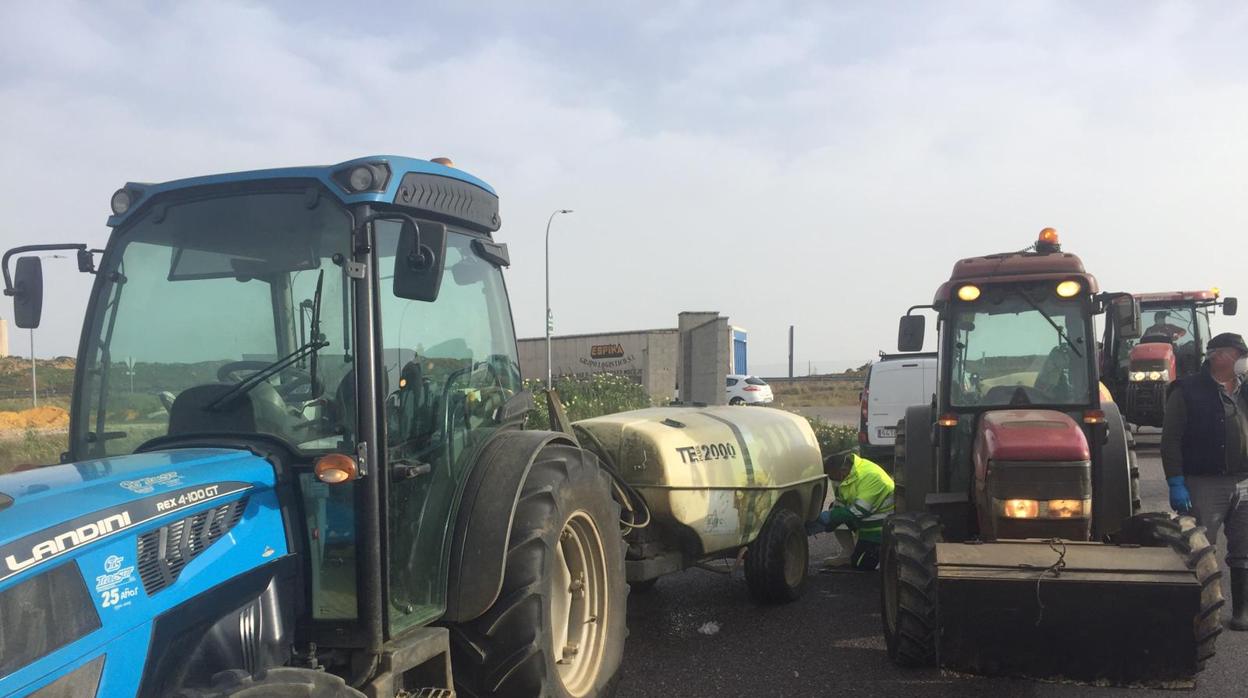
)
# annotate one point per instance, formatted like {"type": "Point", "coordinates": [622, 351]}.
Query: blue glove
{"type": "Point", "coordinates": [819, 525]}
{"type": "Point", "coordinates": [1180, 498]}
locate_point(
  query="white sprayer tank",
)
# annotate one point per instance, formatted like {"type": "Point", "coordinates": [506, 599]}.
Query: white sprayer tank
{"type": "Point", "coordinates": [716, 470]}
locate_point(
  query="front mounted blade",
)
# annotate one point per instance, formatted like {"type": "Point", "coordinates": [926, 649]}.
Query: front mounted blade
{"type": "Point", "coordinates": [1061, 610]}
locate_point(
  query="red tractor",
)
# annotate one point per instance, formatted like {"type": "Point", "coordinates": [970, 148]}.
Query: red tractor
{"type": "Point", "coordinates": [1017, 548]}
{"type": "Point", "coordinates": [1138, 371]}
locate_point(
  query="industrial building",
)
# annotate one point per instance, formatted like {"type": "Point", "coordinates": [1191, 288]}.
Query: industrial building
{"type": "Point", "coordinates": [690, 359]}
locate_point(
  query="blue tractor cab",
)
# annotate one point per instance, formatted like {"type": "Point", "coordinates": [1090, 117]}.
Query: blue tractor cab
{"type": "Point", "coordinates": [297, 458]}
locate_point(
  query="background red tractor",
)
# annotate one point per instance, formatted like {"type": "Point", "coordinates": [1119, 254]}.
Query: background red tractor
{"type": "Point", "coordinates": [1138, 371]}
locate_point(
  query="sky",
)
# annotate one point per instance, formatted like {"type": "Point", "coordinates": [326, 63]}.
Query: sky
{"type": "Point", "coordinates": [814, 164]}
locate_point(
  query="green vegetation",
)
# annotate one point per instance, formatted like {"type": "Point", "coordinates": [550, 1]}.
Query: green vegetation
{"type": "Point", "coordinates": [33, 447]}
{"type": "Point", "coordinates": [833, 437]}
{"type": "Point", "coordinates": [588, 396]}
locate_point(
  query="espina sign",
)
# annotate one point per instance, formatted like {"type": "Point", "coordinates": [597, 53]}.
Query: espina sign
{"type": "Point", "coordinates": [608, 357]}
{"type": "Point", "coordinates": [606, 351]}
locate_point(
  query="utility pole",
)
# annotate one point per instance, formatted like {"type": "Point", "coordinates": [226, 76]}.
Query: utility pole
{"type": "Point", "coordinates": [790, 351]}
{"type": "Point", "coordinates": [549, 317]}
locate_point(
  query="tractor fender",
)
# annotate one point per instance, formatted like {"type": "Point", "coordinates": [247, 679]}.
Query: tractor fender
{"type": "Point", "coordinates": [912, 459]}
{"type": "Point", "coordinates": [483, 523]}
{"type": "Point", "coordinates": [1113, 498]}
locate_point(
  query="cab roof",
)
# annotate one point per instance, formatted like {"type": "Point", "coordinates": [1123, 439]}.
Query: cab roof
{"type": "Point", "coordinates": [1177, 296]}
{"type": "Point", "coordinates": [417, 183]}
{"type": "Point", "coordinates": [1016, 267]}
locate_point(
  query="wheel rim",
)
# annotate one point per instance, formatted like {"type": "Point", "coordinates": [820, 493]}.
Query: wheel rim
{"type": "Point", "coordinates": [794, 559]}
{"type": "Point", "coordinates": [579, 604]}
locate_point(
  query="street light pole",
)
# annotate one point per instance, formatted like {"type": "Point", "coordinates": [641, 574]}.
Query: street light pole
{"type": "Point", "coordinates": [549, 382]}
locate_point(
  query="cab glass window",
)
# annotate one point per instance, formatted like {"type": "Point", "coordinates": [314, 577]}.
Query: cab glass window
{"type": "Point", "coordinates": [449, 365]}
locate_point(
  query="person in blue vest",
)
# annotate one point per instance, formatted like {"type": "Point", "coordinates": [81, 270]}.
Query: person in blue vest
{"type": "Point", "coordinates": [1204, 451]}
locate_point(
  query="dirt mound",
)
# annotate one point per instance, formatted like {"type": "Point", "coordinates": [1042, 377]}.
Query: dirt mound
{"type": "Point", "coordinates": [34, 418]}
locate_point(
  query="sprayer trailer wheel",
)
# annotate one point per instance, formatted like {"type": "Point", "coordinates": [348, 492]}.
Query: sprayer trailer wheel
{"type": "Point", "coordinates": [776, 562]}
{"type": "Point", "coordinates": [908, 588]}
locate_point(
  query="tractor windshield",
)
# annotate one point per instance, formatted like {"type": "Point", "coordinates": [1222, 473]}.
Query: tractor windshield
{"type": "Point", "coordinates": [1010, 349]}
{"type": "Point", "coordinates": [222, 314]}
{"type": "Point", "coordinates": [1182, 324]}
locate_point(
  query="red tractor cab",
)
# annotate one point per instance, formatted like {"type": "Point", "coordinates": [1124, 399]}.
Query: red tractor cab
{"type": "Point", "coordinates": [1017, 494]}
{"type": "Point", "coordinates": [1139, 371]}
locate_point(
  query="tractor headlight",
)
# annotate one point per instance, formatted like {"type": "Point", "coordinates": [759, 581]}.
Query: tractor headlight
{"type": "Point", "coordinates": [968, 293]}
{"type": "Point", "coordinates": [361, 178]}
{"type": "Point", "coordinates": [1021, 508]}
{"type": "Point", "coordinates": [1045, 508]}
{"type": "Point", "coordinates": [1069, 289]}
{"type": "Point", "coordinates": [120, 203]}
{"type": "Point", "coordinates": [1066, 508]}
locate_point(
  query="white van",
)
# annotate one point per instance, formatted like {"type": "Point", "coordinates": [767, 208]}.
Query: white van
{"type": "Point", "coordinates": [895, 382]}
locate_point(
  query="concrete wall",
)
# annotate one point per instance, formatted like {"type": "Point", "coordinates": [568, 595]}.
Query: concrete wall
{"type": "Point", "coordinates": [697, 354]}
{"type": "Point", "coordinates": [647, 356]}
{"type": "Point", "coordinates": [706, 357]}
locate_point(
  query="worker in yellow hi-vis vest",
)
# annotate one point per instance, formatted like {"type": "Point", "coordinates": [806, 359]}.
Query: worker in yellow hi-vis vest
{"type": "Point", "coordinates": [864, 498]}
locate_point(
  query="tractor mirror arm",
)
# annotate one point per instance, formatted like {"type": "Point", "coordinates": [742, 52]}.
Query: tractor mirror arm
{"type": "Point", "coordinates": [86, 261]}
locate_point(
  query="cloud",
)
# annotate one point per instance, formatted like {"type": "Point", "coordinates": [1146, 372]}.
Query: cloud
{"type": "Point", "coordinates": [797, 164]}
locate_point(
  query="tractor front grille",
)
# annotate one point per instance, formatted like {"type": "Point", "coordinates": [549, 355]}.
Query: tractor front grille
{"type": "Point", "coordinates": [165, 551]}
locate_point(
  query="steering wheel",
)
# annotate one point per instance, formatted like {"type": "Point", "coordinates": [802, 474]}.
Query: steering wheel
{"type": "Point", "coordinates": [297, 389]}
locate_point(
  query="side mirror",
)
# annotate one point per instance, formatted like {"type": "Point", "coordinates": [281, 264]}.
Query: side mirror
{"type": "Point", "coordinates": [910, 333]}
{"type": "Point", "coordinates": [1124, 312]}
{"type": "Point", "coordinates": [419, 260]}
{"type": "Point", "coordinates": [28, 292]}
{"type": "Point", "coordinates": [1230, 306]}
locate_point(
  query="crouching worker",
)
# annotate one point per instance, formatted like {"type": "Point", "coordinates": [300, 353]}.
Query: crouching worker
{"type": "Point", "coordinates": [864, 498]}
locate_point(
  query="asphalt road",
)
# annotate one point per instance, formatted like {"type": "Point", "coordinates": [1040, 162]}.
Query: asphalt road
{"type": "Point", "coordinates": [699, 634]}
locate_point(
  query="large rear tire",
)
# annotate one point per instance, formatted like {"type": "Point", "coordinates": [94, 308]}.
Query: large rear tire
{"type": "Point", "coordinates": [1185, 537]}
{"type": "Point", "coordinates": [908, 588]}
{"type": "Point", "coordinates": [558, 626]}
{"type": "Point", "coordinates": [912, 459]}
{"type": "Point", "coordinates": [776, 562]}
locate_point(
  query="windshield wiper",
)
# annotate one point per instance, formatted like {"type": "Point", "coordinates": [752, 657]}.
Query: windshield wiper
{"type": "Point", "coordinates": [314, 344]}
{"type": "Point", "coordinates": [1048, 317]}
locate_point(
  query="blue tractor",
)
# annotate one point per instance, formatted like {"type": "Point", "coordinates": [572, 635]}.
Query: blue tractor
{"type": "Point", "coordinates": [296, 461]}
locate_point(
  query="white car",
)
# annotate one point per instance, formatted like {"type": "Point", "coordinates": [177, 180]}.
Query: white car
{"type": "Point", "coordinates": [894, 383]}
{"type": "Point", "coordinates": [748, 390]}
